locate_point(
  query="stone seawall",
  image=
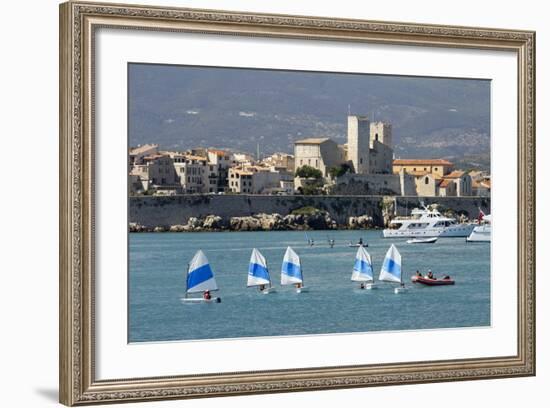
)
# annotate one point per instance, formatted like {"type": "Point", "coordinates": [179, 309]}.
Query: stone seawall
{"type": "Point", "coordinates": [166, 211]}
{"type": "Point", "coordinates": [151, 211]}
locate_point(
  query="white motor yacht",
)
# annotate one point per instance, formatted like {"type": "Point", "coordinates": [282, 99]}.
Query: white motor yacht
{"type": "Point", "coordinates": [427, 223]}
{"type": "Point", "coordinates": [482, 232]}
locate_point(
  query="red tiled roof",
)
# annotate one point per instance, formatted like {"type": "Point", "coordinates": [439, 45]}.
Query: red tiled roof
{"type": "Point", "coordinates": [454, 174]}
{"type": "Point", "coordinates": [419, 162]}
{"type": "Point", "coordinates": [217, 152]}
{"type": "Point", "coordinates": [445, 182]}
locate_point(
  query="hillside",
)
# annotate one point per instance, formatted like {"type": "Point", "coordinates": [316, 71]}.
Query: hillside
{"type": "Point", "coordinates": [184, 107]}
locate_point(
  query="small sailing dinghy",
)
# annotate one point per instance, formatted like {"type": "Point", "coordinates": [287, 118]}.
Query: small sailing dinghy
{"type": "Point", "coordinates": [291, 271]}
{"type": "Point", "coordinates": [362, 270]}
{"type": "Point", "coordinates": [200, 279]}
{"type": "Point", "coordinates": [358, 244]}
{"type": "Point", "coordinates": [391, 269]}
{"type": "Point", "coordinates": [258, 274]}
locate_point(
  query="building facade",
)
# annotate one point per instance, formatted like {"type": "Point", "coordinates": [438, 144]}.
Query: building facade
{"type": "Point", "coordinates": [319, 153]}
{"type": "Point", "coordinates": [435, 167]}
{"type": "Point", "coordinates": [369, 149]}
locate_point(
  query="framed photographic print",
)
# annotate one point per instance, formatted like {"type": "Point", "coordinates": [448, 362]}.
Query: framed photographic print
{"type": "Point", "coordinates": [258, 203]}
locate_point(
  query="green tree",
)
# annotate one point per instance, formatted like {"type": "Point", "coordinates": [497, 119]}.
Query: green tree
{"type": "Point", "coordinates": [338, 171]}
{"type": "Point", "coordinates": [312, 189]}
{"type": "Point", "coordinates": [308, 172]}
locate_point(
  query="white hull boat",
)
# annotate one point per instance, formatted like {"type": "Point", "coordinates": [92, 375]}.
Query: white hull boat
{"type": "Point", "coordinates": [197, 300]}
{"type": "Point", "coordinates": [422, 240]}
{"type": "Point", "coordinates": [268, 291]}
{"type": "Point", "coordinates": [481, 233]}
{"type": "Point", "coordinates": [426, 223]}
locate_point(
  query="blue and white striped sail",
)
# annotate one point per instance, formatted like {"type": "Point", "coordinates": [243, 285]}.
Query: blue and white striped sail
{"type": "Point", "coordinates": [258, 273]}
{"type": "Point", "coordinates": [291, 271]}
{"type": "Point", "coordinates": [391, 268]}
{"type": "Point", "coordinates": [362, 270]}
{"type": "Point", "coordinates": [199, 275]}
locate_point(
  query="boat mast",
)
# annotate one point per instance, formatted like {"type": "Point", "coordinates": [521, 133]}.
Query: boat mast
{"type": "Point", "coordinates": [186, 277]}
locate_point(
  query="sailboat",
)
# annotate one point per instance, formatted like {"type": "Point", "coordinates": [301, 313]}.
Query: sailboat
{"type": "Point", "coordinates": [362, 270]}
{"type": "Point", "coordinates": [258, 274]}
{"type": "Point", "coordinates": [200, 279]}
{"type": "Point", "coordinates": [391, 269]}
{"type": "Point", "coordinates": [291, 271]}
{"type": "Point", "coordinates": [309, 240]}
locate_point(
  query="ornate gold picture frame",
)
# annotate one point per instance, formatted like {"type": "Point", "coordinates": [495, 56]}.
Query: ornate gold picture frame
{"type": "Point", "coordinates": [78, 24]}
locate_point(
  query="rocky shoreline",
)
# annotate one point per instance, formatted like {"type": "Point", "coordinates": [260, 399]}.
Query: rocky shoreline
{"type": "Point", "coordinates": [317, 220]}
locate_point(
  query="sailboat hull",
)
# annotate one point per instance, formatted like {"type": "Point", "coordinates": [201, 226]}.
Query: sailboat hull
{"type": "Point", "coordinates": [302, 290]}
{"type": "Point", "coordinates": [201, 300]}
{"type": "Point", "coordinates": [400, 290]}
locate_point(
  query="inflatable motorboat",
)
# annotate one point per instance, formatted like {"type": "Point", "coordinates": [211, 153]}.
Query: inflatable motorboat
{"type": "Point", "coordinates": [432, 282]}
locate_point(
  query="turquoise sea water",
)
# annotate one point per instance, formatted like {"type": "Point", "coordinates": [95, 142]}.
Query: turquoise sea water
{"type": "Point", "coordinates": [158, 264]}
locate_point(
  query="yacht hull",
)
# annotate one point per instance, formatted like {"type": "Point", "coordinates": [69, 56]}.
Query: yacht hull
{"type": "Point", "coordinates": [480, 234]}
{"type": "Point", "coordinates": [458, 231]}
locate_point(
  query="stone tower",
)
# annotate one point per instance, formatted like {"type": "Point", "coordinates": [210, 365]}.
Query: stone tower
{"type": "Point", "coordinates": [359, 143]}
{"type": "Point", "coordinates": [381, 131]}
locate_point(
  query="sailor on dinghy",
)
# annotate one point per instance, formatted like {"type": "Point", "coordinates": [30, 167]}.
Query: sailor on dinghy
{"type": "Point", "coordinates": [200, 279]}
{"type": "Point", "coordinates": [391, 269]}
{"type": "Point", "coordinates": [258, 274]}
{"type": "Point", "coordinates": [362, 269]}
{"type": "Point", "coordinates": [291, 271]}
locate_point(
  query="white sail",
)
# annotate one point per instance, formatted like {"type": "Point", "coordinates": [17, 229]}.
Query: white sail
{"type": "Point", "coordinates": [199, 275]}
{"type": "Point", "coordinates": [362, 269]}
{"type": "Point", "coordinates": [258, 273]}
{"type": "Point", "coordinates": [391, 268]}
{"type": "Point", "coordinates": [291, 270]}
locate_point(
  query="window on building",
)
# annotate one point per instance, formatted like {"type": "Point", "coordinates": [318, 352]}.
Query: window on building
{"type": "Point", "coordinates": [414, 169]}
{"type": "Point", "coordinates": [426, 180]}
{"type": "Point", "coordinates": [435, 169]}
{"type": "Point", "coordinates": [360, 160]}
{"type": "Point", "coordinates": [376, 137]}
{"type": "Point", "coordinates": [425, 169]}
